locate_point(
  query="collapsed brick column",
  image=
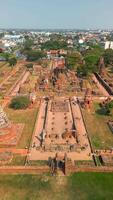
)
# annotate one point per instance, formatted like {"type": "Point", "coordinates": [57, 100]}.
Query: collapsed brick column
{"type": "Point", "coordinates": [4, 122]}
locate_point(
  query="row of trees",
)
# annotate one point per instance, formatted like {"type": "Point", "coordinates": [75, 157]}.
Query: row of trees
{"type": "Point", "coordinates": [30, 53]}
{"type": "Point", "coordinates": [54, 45]}
{"type": "Point", "coordinates": [86, 63]}
{"type": "Point", "coordinates": [91, 58]}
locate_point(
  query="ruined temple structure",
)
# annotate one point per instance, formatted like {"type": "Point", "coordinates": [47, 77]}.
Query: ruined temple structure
{"type": "Point", "coordinates": [59, 163]}
{"type": "Point", "coordinates": [59, 62]}
{"type": "Point", "coordinates": [58, 84]}
{"type": "Point", "coordinates": [4, 122]}
{"type": "Point", "coordinates": [32, 97]}
{"type": "Point", "coordinates": [101, 67]}
{"type": "Point", "coordinates": [67, 134]}
{"type": "Point", "coordinates": [88, 98]}
{"type": "Point", "coordinates": [57, 136]}
{"type": "Point", "coordinates": [9, 133]}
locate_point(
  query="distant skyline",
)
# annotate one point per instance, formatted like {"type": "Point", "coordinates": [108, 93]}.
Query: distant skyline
{"type": "Point", "coordinates": [56, 14]}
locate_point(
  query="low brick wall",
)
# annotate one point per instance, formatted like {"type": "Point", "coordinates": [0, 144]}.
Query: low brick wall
{"type": "Point", "coordinates": [104, 84]}
{"type": "Point", "coordinates": [41, 170]}
{"type": "Point", "coordinates": [23, 170]}
{"type": "Point", "coordinates": [90, 169]}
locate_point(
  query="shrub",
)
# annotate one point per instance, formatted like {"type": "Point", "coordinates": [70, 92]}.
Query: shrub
{"type": "Point", "coordinates": [12, 61]}
{"type": "Point", "coordinates": [29, 65]}
{"type": "Point", "coordinates": [21, 102]}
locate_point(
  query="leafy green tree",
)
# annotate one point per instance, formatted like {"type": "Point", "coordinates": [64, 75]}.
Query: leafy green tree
{"type": "Point", "coordinates": [12, 61]}
{"type": "Point", "coordinates": [73, 60]}
{"type": "Point", "coordinates": [29, 65]}
{"type": "Point", "coordinates": [107, 108]}
{"type": "Point", "coordinates": [91, 58]}
{"type": "Point", "coordinates": [28, 44]}
{"type": "Point", "coordinates": [5, 55]}
{"type": "Point", "coordinates": [54, 45]}
{"type": "Point", "coordinates": [82, 71]}
{"type": "Point", "coordinates": [20, 102]}
{"type": "Point", "coordinates": [110, 104]}
{"type": "Point", "coordinates": [34, 55]}
{"type": "Point", "coordinates": [108, 56]}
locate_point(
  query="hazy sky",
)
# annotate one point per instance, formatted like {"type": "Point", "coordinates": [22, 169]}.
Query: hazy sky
{"type": "Point", "coordinates": [56, 13]}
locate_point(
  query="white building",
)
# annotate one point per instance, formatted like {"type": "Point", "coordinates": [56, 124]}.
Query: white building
{"type": "Point", "coordinates": [109, 45]}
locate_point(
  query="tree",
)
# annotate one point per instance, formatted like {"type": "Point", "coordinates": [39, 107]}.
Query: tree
{"type": "Point", "coordinates": [107, 108]}
{"type": "Point", "coordinates": [73, 60]}
{"type": "Point", "coordinates": [54, 45]}
{"type": "Point", "coordinates": [12, 61]}
{"type": "Point", "coordinates": [28, 44]}
{"type": "Point", "coordinates": [91, 58]}
{"type": "Point", "coordinates": [5, 55]}
{"type": "Point", "coordinates": [110, 104]}
{"type": "Point", "coordinates": [29, 65]}
{"type": "Point", "coordinates": [108, 56]}
{"type": "Point", "coordinates": [34, 55]}
{"type": "Point", "coordinates": [20, 102]}
{"type": "Point", "coordinates": [82, 71]}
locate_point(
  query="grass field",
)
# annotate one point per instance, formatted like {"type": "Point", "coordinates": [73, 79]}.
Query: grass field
{"type": "Point", "coordinates": [80, 186]}
{"type": "Point", "coordinates": [27, 117]}
{"type": "Point", "coordinates": [98, 130]}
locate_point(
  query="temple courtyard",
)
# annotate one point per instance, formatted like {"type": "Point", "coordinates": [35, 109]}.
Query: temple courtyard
{"type": "Point", "coordinates": [60, 129]}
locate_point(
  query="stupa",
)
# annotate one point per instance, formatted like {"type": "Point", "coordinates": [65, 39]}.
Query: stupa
{"type": "Point", "coordinates": [88, 98]}
{"type": "Point", "coordinates": [4, 122]}
{"type": "Point", "coordinates": [101, 67]}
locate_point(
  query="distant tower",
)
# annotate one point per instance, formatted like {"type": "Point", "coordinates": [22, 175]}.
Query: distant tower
{"type": "Point", "coordinates": [101, 67]}
{"type": "Point", "coordinates": [4, 122]}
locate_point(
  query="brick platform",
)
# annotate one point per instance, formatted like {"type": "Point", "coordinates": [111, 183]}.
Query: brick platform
{"type": "Point", "coordinates": [11, 135]}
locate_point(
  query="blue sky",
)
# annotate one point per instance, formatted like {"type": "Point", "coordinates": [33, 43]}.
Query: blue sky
{"type": "Point", "coordinates": [56, 14]}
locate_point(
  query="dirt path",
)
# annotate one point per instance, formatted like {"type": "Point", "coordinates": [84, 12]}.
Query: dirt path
{"type": "Point", "coordinates": [14, 90]}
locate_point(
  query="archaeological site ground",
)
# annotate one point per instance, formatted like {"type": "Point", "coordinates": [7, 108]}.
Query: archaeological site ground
{"type": "Point", "coordinates": [62, 138]}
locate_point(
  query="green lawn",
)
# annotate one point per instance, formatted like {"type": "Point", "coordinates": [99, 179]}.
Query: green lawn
{"type": "Point", "coordinates": [98, 130]}
{"type": "Point", "coordinates": [80, 186]}
{"type": "Point", "coordinates": [91, 186]}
